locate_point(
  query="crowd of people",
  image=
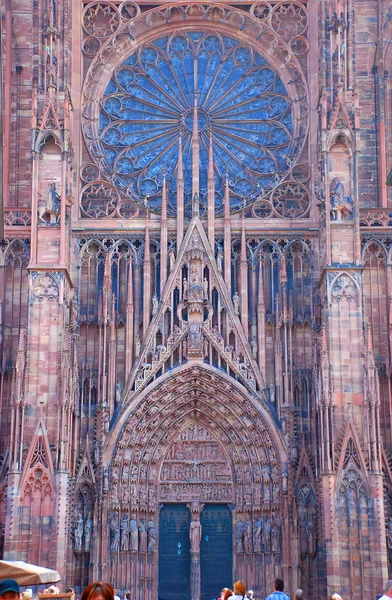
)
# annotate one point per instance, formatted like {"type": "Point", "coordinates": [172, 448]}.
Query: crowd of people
{"type": "Point", "coordinates": [10, 590]}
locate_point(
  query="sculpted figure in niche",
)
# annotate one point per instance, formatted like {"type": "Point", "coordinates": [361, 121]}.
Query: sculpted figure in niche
{"type": "Point", "coordinates": [114, 532]}
{"type": "Point", "coordinates": [257, 534]}
{"type": "Point", "coordinates": [50, 207]}
{"type": "Point", "coordinates": [340, 205]}
{"type": "Point", "coordinates": [219, 259]}
{"type": "Point", "coordinates": [267, 533]}
{"type": "Point", "coordinates": [78, 531]}
{"type": "Point", "coordinates": [248, 534]}
{"type": "Point", "coordinates": [151, 536]}
{"type": "Point", "coordinates": [134, 534]}
{"type": "Point", "coordinates": [236, 302]}
{"type": "Point", "coordinates": [239, 540]}
{"type": "Point", "coordinates": [195, 534]}
{"type": "Point", "coordinates": [154, 305]}
{"type": "Point", "coordinates": [142, 536]}
{"type": "Point", "coordinates": [125, 532]}
{"type": "Point", "coordinates": [172, 258]}
{"type": "Point", "coordinates": [88, 530]}
{"type": "Point", "coordinates": [137, 345]}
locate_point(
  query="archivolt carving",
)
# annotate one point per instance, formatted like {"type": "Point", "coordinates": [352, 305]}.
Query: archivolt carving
{"type": "Point", "coordinates": [212, 417]}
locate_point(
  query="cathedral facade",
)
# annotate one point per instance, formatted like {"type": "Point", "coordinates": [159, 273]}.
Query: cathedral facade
{"type": "Point", "coordinates": [196, 294]}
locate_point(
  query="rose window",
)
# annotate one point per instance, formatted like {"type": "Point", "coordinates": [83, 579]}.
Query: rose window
{"type": "Point", "coordinates": [243, 109]}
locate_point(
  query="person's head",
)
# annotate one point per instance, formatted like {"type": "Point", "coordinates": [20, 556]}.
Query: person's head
{"type": "Point", "coordinates": [279, 585]}
{"type": "Point", "coordinates": [299, 595]}
{"type": "Point", "coordinates": [98, 590]}
{"type": "Point", "coordinates": [227, 593]}
{"type": "Point", "coordinates": [71, 590]}
{"type": "Point", "coordinates": [250, 594]}
{"type": "Point", "coordinates": [388, 588]}
{"type": "Point", "coordinates": [336, 596]}
{"type": "Point", "coordinates": [9, 589]}
{"type": "Point", "coordinates": [27, 594]}
{"type": "Point", "coordinates": [128, 595]}
{"type": "Point", "coordinates": [240, 588]}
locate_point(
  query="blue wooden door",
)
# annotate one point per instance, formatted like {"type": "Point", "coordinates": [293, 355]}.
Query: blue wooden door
{"type": "Point", "coordinates": [216, 550]}
{"type": "Point", "coordinates": [174, 553]}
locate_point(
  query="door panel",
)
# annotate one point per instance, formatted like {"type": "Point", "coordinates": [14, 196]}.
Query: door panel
{"type": "Point", "coordinates": [174, 553]}
{"type": "Point", "coordinates": [216, 550]}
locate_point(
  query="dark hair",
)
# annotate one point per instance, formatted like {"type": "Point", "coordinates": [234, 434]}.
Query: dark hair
{"type": "Point", "coordinates": [279, 585]}
{"type": "Point", "coordinates": [227, 594]}
{"type": "Point", "coordinates": [96, 588]}
{"type": "Point", "coordinates": [128, 595]}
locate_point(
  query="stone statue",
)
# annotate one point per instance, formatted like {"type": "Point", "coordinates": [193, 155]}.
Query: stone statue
{"type": "Point", "coordinates": [88, 530]}
{"type": "Point", "coordinates": [172, 258]}
{"type": "Point", "coordinates": [219, 259]}
{"type": "Point", "coordinates": [195, 534]}
{"type": "Point", "coordinates": [239, 541]}
{"type": "Point", "coordinates": [247, 531]}
{"type": "Point", "coordinates": [275, 535]}
{"type": "Point", "coordinates": [125, 532]}
{"type": "Point", "coordinates": [185, 288]}
{"type": "Point", "coordinates": [257, 529]}
{"type": "Point", "coordinates": [50, 207]}
{"type": "Point", "coordinates": [106, 422]}
{"type": "Point", "coordinates": [119, 389]}
{"type": "Point", "coordinates": [205, 289]}
{"type": "Point", "coordinates": [154, 305]}
{"type": "Point", "coordinates": [151, 536]}
{"type": "Point", "coordinates": [195, 204]}
{"type": "Point", "coordinates": [310, 534]}
{"type": "Point", "coordinates": [339, 203]}
{"type": "Point", "coordinates": [134, 534]}
{"type": "Point", "coordinates": [142, 536]}
{"type": "Point", "coordinates": [266, 533]}
{"type": "Point", "coordinates": [78, 532]}
{"type": "Point", "coordinates": [73, 313]}
{"type": "Point", "coordinates": [137, 345]}
{"type": "Point", "coordinates": [253, 345]}
{"type": "Point", "coordinates": [97, 452]}
{"type": "Point", "coordinates": [236, 302]}
{"type": "Point", "coordinates": [114, 532]}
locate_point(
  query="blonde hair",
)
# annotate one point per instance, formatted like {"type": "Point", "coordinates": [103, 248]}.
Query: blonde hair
{"type": "Point", "coordinates": [27, 594]}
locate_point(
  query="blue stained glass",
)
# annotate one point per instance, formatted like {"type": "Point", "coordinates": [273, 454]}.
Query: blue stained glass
{"type": "Point", "coordinates": [149, 104]}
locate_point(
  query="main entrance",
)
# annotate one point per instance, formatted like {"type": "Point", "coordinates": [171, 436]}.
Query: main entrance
{"type": "Point", "coordinates": [175, 557]}
{"type": "Point", "coordinates": [216, 550]}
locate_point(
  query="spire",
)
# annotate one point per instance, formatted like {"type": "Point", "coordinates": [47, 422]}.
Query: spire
{"type": "Point", "coordinates": [180, 195]}
{"type": "Point", "coordinates": [163, 235]}
{"type": "Point", "coordinates": [227, 235]}
{"type": "Point", "coordinates": [211, 196]}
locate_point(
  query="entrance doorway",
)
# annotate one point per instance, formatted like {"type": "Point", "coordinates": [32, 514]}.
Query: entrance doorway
{"type": "Point", "coordinates": [216, 560]}
{"type": "Point", "coordinates": [216, 549]}
{"type": "Point", "coordinates": [174, 553]}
